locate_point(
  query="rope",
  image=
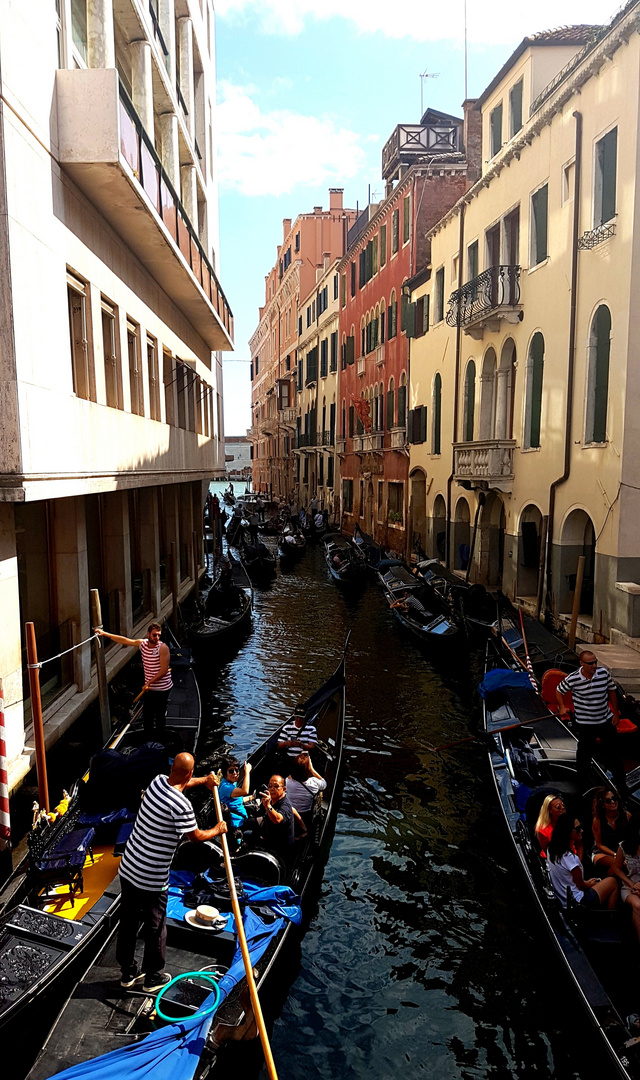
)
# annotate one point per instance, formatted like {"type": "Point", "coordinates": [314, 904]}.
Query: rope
{"type": "Point", "coordinates": [64, 653]}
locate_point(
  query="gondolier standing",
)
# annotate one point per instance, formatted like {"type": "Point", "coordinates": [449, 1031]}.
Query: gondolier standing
{"type": "Point", "coordinates": [157, 676]}
{"type": "Point", "coordinates": [595, 708]}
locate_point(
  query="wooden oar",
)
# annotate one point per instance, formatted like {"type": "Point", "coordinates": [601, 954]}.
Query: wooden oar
{"type": "Point", "coordinates": [484, 734]}
{"type": "Point", "coordinates": [137, 699]}
{"type": "Point", "coordinates": [248, 967]}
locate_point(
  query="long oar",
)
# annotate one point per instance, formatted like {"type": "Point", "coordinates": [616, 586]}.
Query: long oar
{"type": "Point", "coordinates": [248, 967]}
{"type": "Point", "coordinates": [137, 699]}
{"type": "Point", "coordinates": [484, 734]}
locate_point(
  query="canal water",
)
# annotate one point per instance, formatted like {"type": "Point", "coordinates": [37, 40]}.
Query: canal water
{"type": "Point", "coordinates": [423, 957]}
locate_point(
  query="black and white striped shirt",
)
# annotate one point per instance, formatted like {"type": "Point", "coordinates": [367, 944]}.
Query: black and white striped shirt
{"type": "Point", "coordinates": [308, 734]}
{"type": "Point", "coordinates": [164, 816]}
{"type": "Point", "coordinates": [590, 696]}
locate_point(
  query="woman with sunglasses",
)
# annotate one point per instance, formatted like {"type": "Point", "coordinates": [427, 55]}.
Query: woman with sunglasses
{"type": "Point", "coordinates": [609, 826]}
{"type": "Point", "coordinates": [551, 810]}
{"type": "Point", "coordinates": [234, 793]}
{"type": "Point", "coordinates": [566, 869]}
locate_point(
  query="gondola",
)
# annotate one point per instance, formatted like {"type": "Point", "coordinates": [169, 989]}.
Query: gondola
{"type": "Point", "coordinates": [259, 562]}
{"type": "Point", "coordinates": [473, 604]}
{"type": "Point", "coordinates": [344, 559]}
{"type": "Point", "coordinates": [291, 546]}
{"type": "Point", "coordinates": [213, 632]}
{"type": "Point", "coordinates": [531, 754]}
{"type": "Point", "coordinates": [229, 498]}
{"type": "Point", "coordinates": [235, 530]}
{"type": "Point", "coordinates": [420, 611]}
{"type": "Point", "coordinates": [99, 1017]}
{"type": "Point", "coordinates": [55, 912]}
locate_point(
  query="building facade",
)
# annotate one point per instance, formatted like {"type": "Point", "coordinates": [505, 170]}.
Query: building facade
{"type": "Point", "coordinates": [112, 325]}
{"type": "Point", "coordinates": [426, 169]}
{"type": "Point", "coordinates": [312, 239]}
{"type": "Point", "coordinates": [524, 383]}
{"type": "Point", "coordinates": [237, 457]}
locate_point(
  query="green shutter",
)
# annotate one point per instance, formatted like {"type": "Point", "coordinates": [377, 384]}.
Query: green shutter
{"type": "Point", "coordinates": [383, 245]}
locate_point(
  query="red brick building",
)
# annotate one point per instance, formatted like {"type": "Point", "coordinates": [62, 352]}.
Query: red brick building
{"type": "Point", "coordinates": [427, 168]}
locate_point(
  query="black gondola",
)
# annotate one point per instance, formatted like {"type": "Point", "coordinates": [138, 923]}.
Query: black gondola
{"type": "Point", "coordinates": [344, 560]}
{"type": "Point", "coordinates": [292, 545]}
{"type": "Point", "coordinates": [223, 617]}
{"type": "Point", "coordinates": [259, 562]}
{"type": "Point", "coordinates": [474, 604]}
{"type": "Point", "coordinates": [115, 1017]}
{"type": "Point", "coordinates": [532, 754]}
{"type": "Point", "coordinates": [51, 931]}
{"type": "Point", "coordinates": [427, 617]}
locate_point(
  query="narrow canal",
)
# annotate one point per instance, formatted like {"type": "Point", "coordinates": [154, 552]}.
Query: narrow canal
{"type": "Point", "coordinates": [423, 956]}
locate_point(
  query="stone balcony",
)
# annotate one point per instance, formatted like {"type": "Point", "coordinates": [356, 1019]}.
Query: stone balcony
{"type": "Point", "coordinates": [361, 364]}
{"type": "Point", "coordinates": [365, 444]}
{"type": "Point", "coordinates": [341, 445]}
{"type": "Point", "coordinates": [485, 302]}
{"type": "Point", "coordinates": [104, 148]}
{"type": "Point", "coordinates": [287, 417]}
{"type": "Point", "coordinates": [398, 438]}
{"type": "Point", "coordinates": [269, 426]}
{"type": "Point", "coordinates": [486, 464]}
{"type": "Point", "coordinates": [379, 355]}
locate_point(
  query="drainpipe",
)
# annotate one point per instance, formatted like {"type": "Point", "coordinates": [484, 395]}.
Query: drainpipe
{"type": "Point", "coordinates": [456, 394]}
{"type": "Point", "coordinates": [571, 362]}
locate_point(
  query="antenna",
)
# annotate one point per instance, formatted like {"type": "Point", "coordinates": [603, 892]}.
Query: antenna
{"type": "Point", "coordinates": [427, 75]}
{"type": "Point", "coordinates": [466, 92]}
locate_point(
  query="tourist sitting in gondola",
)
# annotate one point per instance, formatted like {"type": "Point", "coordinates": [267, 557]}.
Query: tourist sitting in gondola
{"type": "Point", "coordinates": [565, 869]}
{"type": "Point", "coordinates": [551, 810]}
{"type": "Point", "coordinates": [276, 827]}
{"type": "Point", "coordinates": [235, 793]}
{"type": "Point", "coordinates": [303, 784]}
{"type": "Point", "coordinates": [224, 598]}
{"type": "Point", "coordinates": [627, 868]}
{"type": "Point", "coordinates": [610, 821]}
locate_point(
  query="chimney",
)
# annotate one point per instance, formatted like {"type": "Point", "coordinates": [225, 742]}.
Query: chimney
{"type": "Point", "coordinates": [335, 198]}
{"type": "Point", "coordinates": [326, 259]}
{"type": "Point", "coordinates": [286, 227]}
{"type": "Point", "coordinates": [317, 209]}
{"type": "Point", "coordinates": [472, 138]}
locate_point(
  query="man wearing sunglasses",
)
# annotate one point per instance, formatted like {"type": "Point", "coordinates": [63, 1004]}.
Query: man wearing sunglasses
{"type": "Point", "coordinates": [596, 714]}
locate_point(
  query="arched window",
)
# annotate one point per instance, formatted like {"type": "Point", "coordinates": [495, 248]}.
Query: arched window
{"type": "Point", "coordinates": [402, 401]}
{"type": "Point", "coordinates": [392, 318]}
{"type": "Point", "coordinates": [533, 399]}
{"type": "Point", "coordinates": [436, 414]}
{"type": "Point", "coordinates": [363, 335]}
{"type": "Point", "coordinates": [343, 426]}
{"type": "Point", "coordinates": [382, 318]}
{"type": "Point", "coordinates": [598, 384]}
{"type": "Point", "coordinates": [391, 404]}
{"type": "Point", "coordinates": [381, 407]}
{"type": "Point", "coordinates": [469, 401]}
{"type": "Point", "coordinates": [488, 381]}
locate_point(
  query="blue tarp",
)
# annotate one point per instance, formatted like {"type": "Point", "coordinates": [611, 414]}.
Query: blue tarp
{"type": "Point", "coordinates": [280, 898]}
{"type": "Point", "coordinates": [503, 679]}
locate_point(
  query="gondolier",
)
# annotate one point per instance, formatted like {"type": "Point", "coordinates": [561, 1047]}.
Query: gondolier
{"type": "Point", "coordinates": [157, 675]}
{"type": "Point", "coordinates": [595, 709]}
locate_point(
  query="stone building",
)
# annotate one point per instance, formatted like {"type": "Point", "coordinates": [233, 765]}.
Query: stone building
{"type": "Point", "coordinates": [112, 321]}
{"type": "Point", "coordinates": [524, 383]}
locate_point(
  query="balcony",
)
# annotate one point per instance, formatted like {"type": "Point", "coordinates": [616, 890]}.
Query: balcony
{"type": "Point", "coordinates": [328, 438]}
{"type": "Point", "coordinates": [287, 417]}
{"type": "Point", "coordinates": [365, 444]}
{"type": "Point", "coordinates": [341, 445]}
{"type": "Point", "coordinates": [379, 355]}
{"type": "Point", "coordinates": [103, 147]}
{"type": "Point", "coordinates": [485, 301]}
{"type": "Point", "coordinates": [305, 440]}
{"type": "Point", "coordinates": [418, 142]}
{"type": "Point", "coordinates": [269, 426]}
{"type": "Point", "coordinates": [361, 364]}
{"type": "Point", "coordinates": [398, 438]}
{"type": "Point", "coordinates": [487, 464]}
{"type": "Point", "coordinates": [253, 432]}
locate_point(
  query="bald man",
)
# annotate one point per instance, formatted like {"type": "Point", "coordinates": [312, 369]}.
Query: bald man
{"type": "Point", "coordinates": [165, 816]}
{"type": "Point", "coordinates": [596, 712]}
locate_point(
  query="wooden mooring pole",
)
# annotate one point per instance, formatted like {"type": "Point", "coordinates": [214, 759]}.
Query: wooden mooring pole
{"type": "Point", "coordinates": [6, 864]}
{"type": "Point", "coordinates": [196, 575]}
{"type": "Point", "coordinates": [173, 561]}
{"type": "Point", "coordinates": [36, 713]}
{"type": "Point", "coordinates": [101, 666]}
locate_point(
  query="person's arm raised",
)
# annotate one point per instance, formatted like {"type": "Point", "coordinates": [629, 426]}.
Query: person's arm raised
{"type": "Point", "coordinates": [118, 638]}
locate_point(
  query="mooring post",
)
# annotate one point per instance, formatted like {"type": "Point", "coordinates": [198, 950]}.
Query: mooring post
{"type": "Point", "coordinates": [36, 713]}
{"type": "Point", "coordinates": [101, 666]}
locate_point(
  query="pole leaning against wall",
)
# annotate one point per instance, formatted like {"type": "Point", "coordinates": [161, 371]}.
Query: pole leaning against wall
{"type": "Point", "coordinates": [5, 820]}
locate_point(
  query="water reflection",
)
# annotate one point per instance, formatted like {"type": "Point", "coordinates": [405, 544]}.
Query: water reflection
{"type": "Point", "coordinates": [422, 955]}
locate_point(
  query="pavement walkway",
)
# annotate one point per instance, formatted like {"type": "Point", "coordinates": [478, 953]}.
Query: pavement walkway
{"type": "Point", "coordinates": [623, 663]}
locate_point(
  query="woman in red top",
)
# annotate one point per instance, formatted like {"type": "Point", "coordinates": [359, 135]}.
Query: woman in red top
{"type": "Point", "coordinates": [552, 808]}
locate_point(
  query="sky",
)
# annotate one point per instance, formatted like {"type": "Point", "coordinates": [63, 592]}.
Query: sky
{"type": "Point", "coordinates": [308, 93]}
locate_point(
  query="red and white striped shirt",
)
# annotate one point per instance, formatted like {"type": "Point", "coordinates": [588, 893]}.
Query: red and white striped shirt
{"type": "Point", "coordinates": [151, 664]}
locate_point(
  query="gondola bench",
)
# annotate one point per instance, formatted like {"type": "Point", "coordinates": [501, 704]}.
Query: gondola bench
{"type": "Point", "coordinates": [58, 851]}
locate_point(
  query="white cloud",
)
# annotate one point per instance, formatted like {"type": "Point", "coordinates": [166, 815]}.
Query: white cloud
{"type": "Point", "coordinates": [492, 22]}
{"type": "Point", "coordinates": [273, 152]}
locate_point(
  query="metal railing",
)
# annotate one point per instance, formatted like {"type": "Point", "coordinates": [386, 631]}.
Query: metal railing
{"type": "Point", "coordinates": [499, 286]}
{"type": "Point", "coordinates": [140, 154]}
{"type": "Point", "coordinates": [305, 439]}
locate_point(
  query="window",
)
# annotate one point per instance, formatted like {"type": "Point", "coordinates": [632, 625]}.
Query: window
{"type": "Point", "coordinates": [323, 301]}
{"type": "Point", "coordinates": [392, 324]}
{"type": "Point", "coordinates": [330, 472]}
{"type": "Point", "coordinates": [333, 366]}
{"type": "Point", "coordinates": [421, 317]}
{"type": "Point", "coordinates": [472, 261]}
{"type": "Point", "coordinates": [438, 298]}
{"type": "Point", "coordinates": [81, 365]}
{"type": "Point", "coordinates": [374, 249]}
{"type": "Point", "coordinates": [539, 216]}
{"type": "Point", "coordinates": [598, 369]}
{"type": "Point", "coordinates": [395, 514]}
{"type": "Point", "coordinates": [406, 218]}
{"type": "Point", "coordinates": [112, 379]}
{"type": "Point", "coordinates": [391, 405]}
{"type": "Point", "coordinates": [286, 262]}
{"type": "Point", "coordinates": [299, 325]}
{"type": "Point", "coordinates": [297, 242]}
{"type": "Point", "coordinates": [335, 286]}
{"type": "Point", "coordinates": [353, 279]}
{"type": "Point", "coordinates": [533, 391]}
{"type": "Point", "coordinates": [436, 414]}
{"type": "Point", "coordinates": [383, 245]}
{"type": "Point", "coordinates": [362, 269]}
{"type": "Point", "coordinates": [181, 394]}
{"type": "Point", "coordinates": [300, 373]}
{"type": "Point", "coordinates": [312, 366]}
{"type": "Point", "coordinates": [154, 381]}
{"type": "Point", "coordinates": [515, 109]}
{"type": "Point", "coordinates": [469, 401]}
{"type": "Point", "coordinates": [395, 228]}
{"type": "Point", "coordinates": [604, 208]}
{"type": "Point", "coordinates": [347, 496]}
{"type": "Point", "coordinates": [418, 424]}
{"type": "Point", "coordinates": [324, 358]}
{"type": "Point", "coordinates": [255, 366]}
{"type": "Point", "coordinates": [343, 290]}
{"type": "Point", "coordinates": [169, 388]}
{"type": "Point", "coordinates": [402, 402]}
{"type": "Point", "coordinates": [309, 315]}
{"type": "Point", "coordinates": [79, 27]}
{"type": "Point", "coordinates": [352, 422]}
{"type": "Point", "coordinates": [495, 129]}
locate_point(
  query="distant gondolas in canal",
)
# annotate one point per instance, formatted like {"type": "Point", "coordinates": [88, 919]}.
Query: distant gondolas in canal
{"type": "Point", "coordinates": [420, 610]}
{"type": "Point", "coordinates": [344, 560]}
{"type": "Point", "coordinates": [292, 545]}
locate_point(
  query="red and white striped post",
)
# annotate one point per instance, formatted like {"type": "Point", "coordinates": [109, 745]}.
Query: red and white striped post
{"type": "Point", "coordinates": [5, 820]}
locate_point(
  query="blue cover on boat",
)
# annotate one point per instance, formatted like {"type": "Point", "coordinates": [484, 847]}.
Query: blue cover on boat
{"type": "Point", "coordinates": [109, 817]}
{"type": "Point", "coordinates": [280, 898]}
{"type": "Point", "coordinates": [503, 679]}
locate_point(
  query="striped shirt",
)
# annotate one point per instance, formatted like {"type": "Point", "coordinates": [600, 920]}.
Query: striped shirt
{"type": "Point", "coordinates": [590, 696]}
{"type": "Point", "coordinates": [308, 734]}
{"type": "Point", "coordinates": [151, 664]}
{"type": "Point", "coordinates": [164, 816]}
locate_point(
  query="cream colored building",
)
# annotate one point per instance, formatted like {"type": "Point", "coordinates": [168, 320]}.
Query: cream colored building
{"type": "Point", "coordinates": [525, 386]}
{"type": "Point", "coordinates": [317, 463]}
{"type": "Point", "coordinates": [111, 329]}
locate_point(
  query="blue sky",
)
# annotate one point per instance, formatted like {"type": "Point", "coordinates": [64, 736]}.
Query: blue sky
{"type": "Point", "coordinates": [308, 93]}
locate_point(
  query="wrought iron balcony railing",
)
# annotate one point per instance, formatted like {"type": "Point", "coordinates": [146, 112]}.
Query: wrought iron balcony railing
{"type": "Point", "coordinates": [328, 437]}
{"type": "Point", "coordinates": [494, 289]}
{"type": "Point", "coordinates": [305, 439]}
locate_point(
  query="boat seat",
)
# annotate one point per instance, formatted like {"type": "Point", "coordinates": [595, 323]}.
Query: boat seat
{"type": "Point", "coordinates": [550, 681]}
{"type": "Point", "coordinates": [262, 867]}
{"type": "Point", "coordinates": [58, 855]}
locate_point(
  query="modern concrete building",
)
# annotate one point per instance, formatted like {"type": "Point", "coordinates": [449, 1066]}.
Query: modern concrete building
{"type": "Point", "coordinates": [525, 383]}
{"type": "Point", "coordinates": [307, 243]}
{"type": "Point", "coordinates": [237, 457]}
{"type": "Point", "coordinates": [112, 321]}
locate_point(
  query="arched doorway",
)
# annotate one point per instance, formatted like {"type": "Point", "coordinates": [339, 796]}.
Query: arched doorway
{"type": "Point", "coordinates": [529, 535]}
{"type": "Point", "coordinates": [419, 510]}
{"type": "Point", "coordinates": [578, 538]}
{"type": "Point", "coordinates": [438, 539]}
{"type": "Point", "coordinates": [490, 552]}
{"type": "Point", "coordinates": [461, 535]}
{"type": "Point", "coordinates": [505, 391]}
